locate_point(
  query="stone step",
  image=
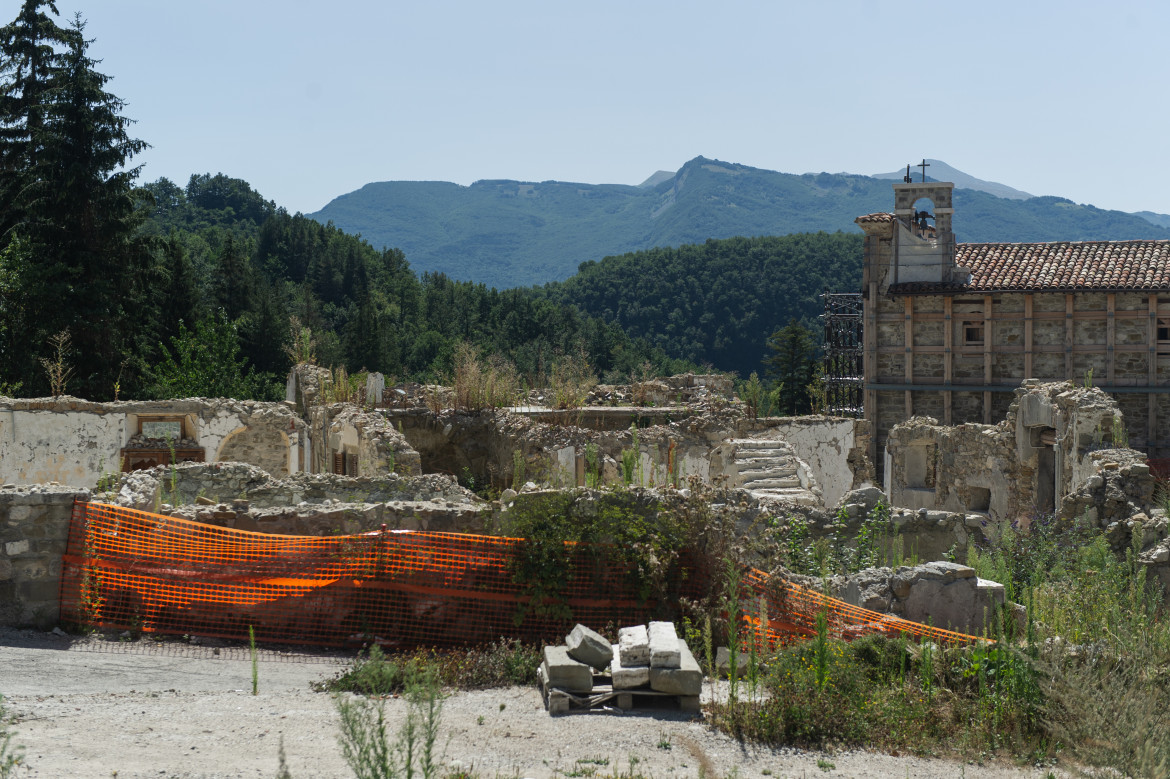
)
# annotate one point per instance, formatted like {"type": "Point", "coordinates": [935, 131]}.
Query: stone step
{"type": "Point", "coordinates": [770, 484]}
{"type": "Point", "coordinates": [759, 443]}
{"type": "Point", "coordinates": [759, 455]}
{"type": "Point", "coordinates": [798, 496]}
{"type": "Point", "coordinates": [769, 471]}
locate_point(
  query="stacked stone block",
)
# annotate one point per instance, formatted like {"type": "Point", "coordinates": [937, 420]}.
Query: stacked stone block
{"type": "Point", "coordinates": [648, 661]}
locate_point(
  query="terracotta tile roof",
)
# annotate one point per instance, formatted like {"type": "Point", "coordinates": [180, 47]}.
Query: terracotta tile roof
{"type": "Point", "coordinates": [1057, 267]}
{"type": "Point", "coordinates": [875, 218]}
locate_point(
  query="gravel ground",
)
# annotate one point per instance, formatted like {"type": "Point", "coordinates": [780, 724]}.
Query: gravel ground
{"type": "Point", "coordinates": [96, 708]}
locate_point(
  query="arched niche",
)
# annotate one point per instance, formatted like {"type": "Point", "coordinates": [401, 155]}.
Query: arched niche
{"type": "Point", "coordinates": [264, 446]}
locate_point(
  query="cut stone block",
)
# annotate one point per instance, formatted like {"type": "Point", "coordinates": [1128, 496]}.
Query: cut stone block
{"type": "Point", "coordinates": [723, 663]}
{"type": "Point", "coordinates": [627, 678]}
{"type": "Point", "coordinates": [664, 652]}
{"type": "Point", "coordinates": [634, 646]}
{"type": "Point", "coordinates": [589, 647]}
{"type": "Point", "coordinates": [564, 672]}
{"type": "Point", "coordinates": [687, 679]}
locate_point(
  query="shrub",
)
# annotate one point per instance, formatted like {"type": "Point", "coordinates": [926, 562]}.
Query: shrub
{"type": "Point", "coordinates": [480, 384]}
{"type": "Point", "coordinates": [572, 379]}
{"type": "Point", "coordinates": [368, 747]}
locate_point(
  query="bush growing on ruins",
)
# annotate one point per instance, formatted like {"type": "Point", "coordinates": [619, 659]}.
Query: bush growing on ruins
{"type": "Point", "coordinates": [57, 369]}
{"type": "Point", "coordinates": [572, 378]}
{"type": "Point", "coordinates": [752, 393]}
{"type": "Point", "coordinates": [480, 384]}
{"type": "Point", "coordinates": [661, 541]}
{"type": "Point", "coordinates": [302, 346]}
{"type": "Point", "coordinates": [206, 362]}
{"type": "Point", "coordinates": [340, 387]}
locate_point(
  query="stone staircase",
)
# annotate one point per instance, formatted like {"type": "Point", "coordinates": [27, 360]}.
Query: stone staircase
{"type": "Point", "coordinates": [770, 469]}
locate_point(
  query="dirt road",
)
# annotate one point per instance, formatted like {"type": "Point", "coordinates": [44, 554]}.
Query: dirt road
{"type": "Point", "coordinates": [96, 708]}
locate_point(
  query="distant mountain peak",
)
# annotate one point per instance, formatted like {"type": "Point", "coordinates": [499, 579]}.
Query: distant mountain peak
{"type": "Point", "coordinates": [657, 178]}
{"type": "Point", "coordinates": [937, 170]}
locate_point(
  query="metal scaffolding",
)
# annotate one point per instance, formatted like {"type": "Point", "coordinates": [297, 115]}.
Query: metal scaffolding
{"type": "Point", "coordinates": [843, 361]}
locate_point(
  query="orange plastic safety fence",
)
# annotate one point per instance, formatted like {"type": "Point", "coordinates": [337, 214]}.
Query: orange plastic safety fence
{"type": "Point", "coordinates": [135, 570]}
{"type": "Point", "coordinates": [128, 569]}
{"type": "Point", "coordinates": [776, 611]}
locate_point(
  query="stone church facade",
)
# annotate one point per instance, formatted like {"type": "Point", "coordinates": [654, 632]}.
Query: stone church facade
{"type": "Point", "coordinates": [951, 330]}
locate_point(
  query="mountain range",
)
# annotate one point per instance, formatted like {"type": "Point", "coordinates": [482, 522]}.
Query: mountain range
{"type": "Point", "coordinates": [508, 233]}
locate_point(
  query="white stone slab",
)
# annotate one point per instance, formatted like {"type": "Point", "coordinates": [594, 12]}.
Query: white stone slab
{"type": "Point", "coordinates": [664, 651]}
{"type": "Point", "coordinates": [589, 647]}
{"type": "Point", "coordinates": [566, 673]}
{"type": "Point", "coordinates": [634, 646]}
{"type": "Point", "coordinates": [627, 678]}
{"type": "Point", "coordinates": [687, 679]}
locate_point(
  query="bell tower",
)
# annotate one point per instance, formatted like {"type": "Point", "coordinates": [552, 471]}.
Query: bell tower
{"type": "Point", "coordinates": [924, 245]}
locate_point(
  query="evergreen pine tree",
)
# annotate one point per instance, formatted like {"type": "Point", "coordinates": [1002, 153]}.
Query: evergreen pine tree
{"type": "Point", "coordinates": [75, 208]}
{"type": "Point", "coordinates": [792, 365]}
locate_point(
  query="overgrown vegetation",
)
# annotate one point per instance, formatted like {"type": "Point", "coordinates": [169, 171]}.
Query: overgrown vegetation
{"type": "Point", "coordinates": [483, 383]}
{"type": "Point", "coordinates": [11, 755]}
{"type": "Point", "coordinates": [1082, 678]}
{"type": "Point", "coordinates": [369, 748]}
{"type": "Point", "coordinates": [666, 544]}
{"type": "Point", "coordinates": [499, 664]}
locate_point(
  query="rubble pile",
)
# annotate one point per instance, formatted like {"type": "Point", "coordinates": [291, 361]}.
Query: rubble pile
{"type": "Point", "coordinates": [648, 664]}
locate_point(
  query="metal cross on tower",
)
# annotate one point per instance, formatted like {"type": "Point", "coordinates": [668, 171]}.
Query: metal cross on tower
{"type": "Point", "coordinates": [924, 165]}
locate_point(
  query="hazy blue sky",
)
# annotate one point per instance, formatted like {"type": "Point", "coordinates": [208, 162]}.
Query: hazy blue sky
{"type": "Point", "coordinates": [310, 100]}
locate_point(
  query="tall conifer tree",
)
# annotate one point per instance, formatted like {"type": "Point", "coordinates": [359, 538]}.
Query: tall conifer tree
{"type": "Point", "coordinates": [67, 143]}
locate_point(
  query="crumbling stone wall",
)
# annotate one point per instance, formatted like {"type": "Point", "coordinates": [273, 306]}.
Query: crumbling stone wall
{"type": "Point", "coordinates": [243, 497]}
{"type": "Point", "coordinates": [305, 387]}
{"type": "Point", "coordinates": [947, 595]}
{"type": "Point", "coordinates": [34, 529]}
{"type": "Point", "coordinates": [487, 446]}
{"type": "Point", "coordinates": [74, 441]}
{"type": "Point", "coordinates": [363, 437]}
{"type": "Point", "coordinates": [1020, 467]}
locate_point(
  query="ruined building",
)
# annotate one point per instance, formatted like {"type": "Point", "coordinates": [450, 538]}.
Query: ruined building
{"type": "Point", "coordinates": [951, 330]}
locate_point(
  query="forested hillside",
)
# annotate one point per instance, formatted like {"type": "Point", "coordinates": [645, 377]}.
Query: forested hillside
{"type": "Point", "coordinates": [511, 233]}
{"type": "Point", "coordinates": [111, 290]}
{"type": "Point", "coordinates": [717, 302]}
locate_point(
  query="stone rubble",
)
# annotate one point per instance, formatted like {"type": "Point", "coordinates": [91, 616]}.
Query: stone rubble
{"type": "Point", "coordinates": [667, 668]}
{"type": "Point", "coordinates": [664, 645]}
{"type": "Point", "coordinates": [565, 673]}
{"type": "Point", "coordinates": [944, 594]}
{"type": "Point", "coordinates": [634, 645]}
{"type": "Point", "coordinates": [589, 647]}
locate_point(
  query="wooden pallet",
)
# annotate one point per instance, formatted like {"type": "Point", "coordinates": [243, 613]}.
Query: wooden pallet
{"type": "Point", "coordinates": [559, 701]}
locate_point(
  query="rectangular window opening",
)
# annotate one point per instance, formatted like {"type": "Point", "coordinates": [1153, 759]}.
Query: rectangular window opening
{"type": "Point", "coordinates": [973, 333]}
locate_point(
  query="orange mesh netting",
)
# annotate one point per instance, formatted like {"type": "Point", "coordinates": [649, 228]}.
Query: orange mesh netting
{"type": "Point", "coordinates": [792, 610]}
{"type": "Point", "coordinates": [128, 569]}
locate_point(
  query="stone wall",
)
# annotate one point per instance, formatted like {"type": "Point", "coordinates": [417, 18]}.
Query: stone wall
{"type": "Point", "coordinates": [1020, 467]}
{"type": "Point", "coordinates": [243, 497]}
{"type": "Point", "coordinates": [835, 449]}
{"type": "Point", "coordinates": [34, 529]}
{"type": "Point", "coordinates": [922, 534]}
{"type": "Point", "coordinates": [947, 595]}
{"type": "Point", "coordinates": [487, 446]}
{"type": "Point", "coordinates": [74, 441]}
{"type": "Point", "coordinates": [364, 438]}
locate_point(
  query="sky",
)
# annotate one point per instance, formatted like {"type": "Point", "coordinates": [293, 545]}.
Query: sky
{"type": "Point", "coordinates": [307, 101]}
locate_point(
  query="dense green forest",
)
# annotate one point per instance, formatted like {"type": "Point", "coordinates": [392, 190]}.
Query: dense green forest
{"type": "Point", "coordinates": [512, 233]}
{"type": "Point", "coordinates": [717, 302]}
{"type": "Point", "coordinates": [111, 289]}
